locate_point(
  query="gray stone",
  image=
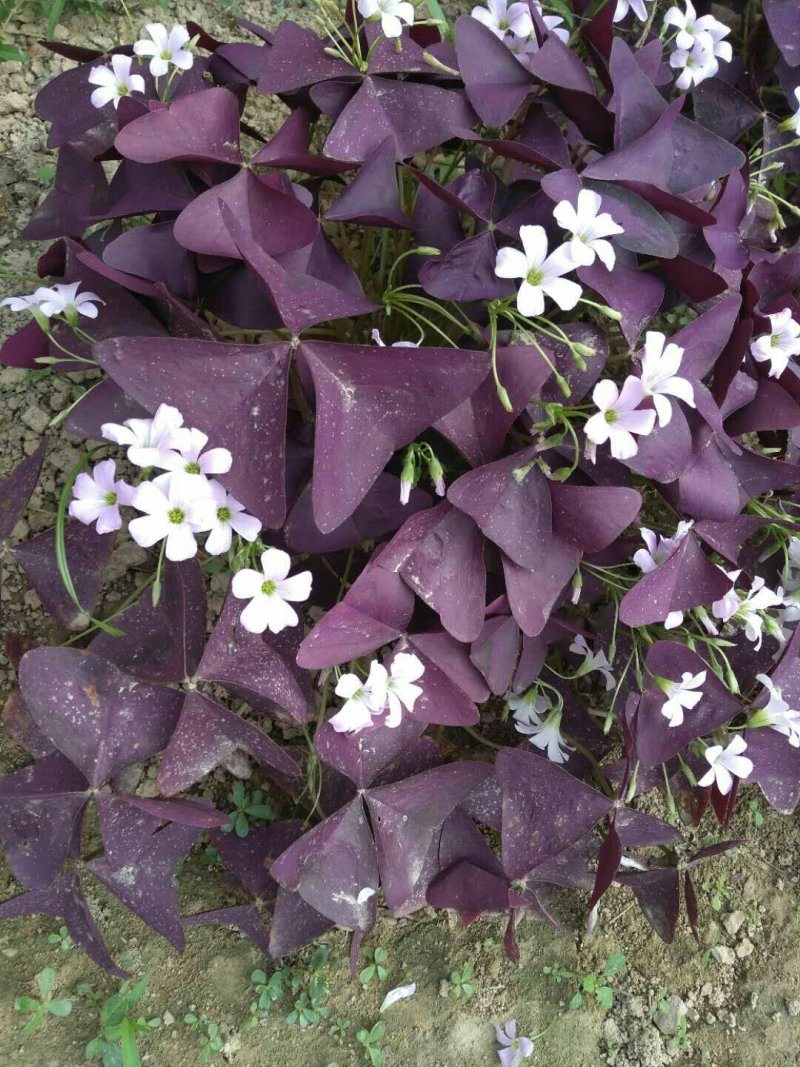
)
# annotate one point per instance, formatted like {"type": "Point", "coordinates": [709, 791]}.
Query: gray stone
{"type": "Point", "coordinates": [669, 1021]}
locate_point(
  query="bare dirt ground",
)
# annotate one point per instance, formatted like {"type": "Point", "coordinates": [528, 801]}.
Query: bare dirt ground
{"type": "Point", "coordinates": [740, 992]}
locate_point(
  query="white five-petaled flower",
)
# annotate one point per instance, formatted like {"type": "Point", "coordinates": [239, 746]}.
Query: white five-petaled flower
{"type": "Point", "coordinates": [174, 510]}
{"type": "Point", "coordinates": [748, 608]}
{"type": "Point", "coordinates": [115, 81]}
{"type": "Point", "coordinates": [777, 714]}
{"type": "Point", "coordinates": [660, 365]}
{"type": "Point", "coordinates": [590, 227]}
{"type": "Point", "coordinates": [513, 1049]}
{"type": "Point", "coordinates": [638, 7]}
{"type": "Point", "coordinates": [406, 668]}
{"type": "Point", "coordinates": [619, 416]}
{"type": "Point", "coordinates": [502, 18]}
{"type": "Point", "coordinates": [543, 732]}
{"type": "Point", "coordinates": [165, 48]}
{"type": "Point", "coordinates": [228, 517]}
{"type": "Point", "coordinates": [269, 591]}
{"type": "Point", "coordinates": [29, 302]}
{"type": "Point", "coordinates": [392, 13]}
{"type": "Point", "coordinates": [97, 497]}
{"type": "Point", "coordinates": [695, 65]}
{"type": "Point", "coordinates": [659, 548]}
{"type": "Point", "coordinates": [363, 700]}
{"type": "Point", "coordinates": [592, 661]}
{"type": "Point", "coordinates": [194, 461]}
{"type": "Point", "coordinates": [542, 275]}
{"type": "Point", "coordinates": [705, 30]}
{"type": "Point", "coordinates": [780, 344]}
{"type": "Point", "coordinates": [725, 764]}
{"type": "Point", "coordinates": [528, 707]}
{"type": "Point", "coordinates": [151, 442]}
{"type": "Point", "coordinates": [683, 695]}
{"type": "Point", "coordinates": [66, 300]}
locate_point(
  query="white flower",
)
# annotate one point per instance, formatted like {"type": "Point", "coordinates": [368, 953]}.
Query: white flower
{"type": "Point", "coordinates": [114, 82]}
{"type": "Point", "coordinates": [66, 300]}
{"type": "Point", "coordinates": [269, 591]}
{"type": "Point", "coordinates": [777, 714]}
{"type": "Point", "coordinates": [660, 366]}
{"type": "Point", "coordinates": [513, 1049]}
{"type": "Point", "coordinates": [592, 661]}
{"type": "Point", "coordinates": [589, 228]}
{"type": "Point", "coordinates": [97, 497]}
{"type": "Point", "coordinates": [659, 548]}
{"type": "Point", "coordinates": [638, 7]}
{"type": "Point", "coordinates": [748, 608]}
{"type": "Point", "coordinates": [619, 417]}
{"type": "Point", "coordinates": [401, 692]}
{"type": "Point", "coordinates": [543, 732]}
{"type": "Point", "coordinates": [173, 511]}
{"type": "Point", "coordinates": [685, 694]}
{"type": "Point", "coordinates": [794, 122]}
{"type": "Point", "coordinates": [725, 763]}
{"type": "Point", "coordinates": [228, 517]}
{"type": "Point", "coordinates": [30, 302]}
{"type": "Point", "coordinates": [151, 442]}
{"type": "Point", "coordinates": [547, 737]}
{"type": "Point", "coordinates": [780, 344]}
{"type": "Point", "coordinates": [363, 700]}
{"type": "Point", "coordinates": [392, 13]}
{"type": "Point", "coordinates": [529, 707]}
{"type": "Point", "coordinates": [541, 274]}
{"type": "Point", "coordinates": [502, 18]}
{"type": "Point", "coordinates": [365, 894]}
{"type": "Point", "coordinates": [378, 340]}
{"type": "Point", "coordinates": [165, 48]}
{"type": "Point", "coordinates": [695, 65]}
{"type": "Point", "coordinates": [706, 31]}
{"type": "Point", "coordinates": [193, 460]}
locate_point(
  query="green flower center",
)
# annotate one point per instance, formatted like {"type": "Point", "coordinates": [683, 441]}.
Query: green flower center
{"type": "Point", "coordinates": [166, 54]}
{"type": "Point", "coordinates": [223, 514]}
{"type": "Point", "coordinates": [110, 498]}
{"type": "Point", "coordinates": [268, 588]}
{"type": "Point", "coordinates": [193, 468]}
{"type": "Point", "coordinates": [775, 340]}
{"type": "Point", "coordinates": [122, 90]}
{"type": "Point", "coordinates": [611, 416]}
{"type": "Point", "coordinates": [176, 515]}
{"type": "Point", "coordinates": [535, 276]}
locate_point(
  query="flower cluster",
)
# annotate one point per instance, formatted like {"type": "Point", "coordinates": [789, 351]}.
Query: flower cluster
{"type": "Point", "coordinates": [382, 691]}
{"type": "Point", "coordinates": [168, 52]}
{"type": "Point", "coordinates": [513, 25]}
{"type": "Point", "coordinates": [177, 505]}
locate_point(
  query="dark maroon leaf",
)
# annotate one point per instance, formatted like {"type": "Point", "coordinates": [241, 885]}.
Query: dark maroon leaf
{"type": "Point", "coordinates": [101, 719]}
{"type": "Point", "coordinates": [545, 810]}
{"type": "Point", "coordinates": [161, 643]}
{"type": "Point", "coordinates": [496, 82]}
{"type": "Point", "coordinates": [185, 131]}
{"type": "Point", "coordinates": [658, 894]}
{"type": "Point", "coordinates": [373, 196]}
{"type": "Point", "coordinates": [370, 402]}
{"type": "Point", "coordinates": [363, 755]}
{"type": "Point", "coordinates": [16, 490]}
{"type": "Point", "coordinates": [206, 736]}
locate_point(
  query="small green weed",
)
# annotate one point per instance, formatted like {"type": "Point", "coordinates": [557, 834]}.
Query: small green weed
{"type": "Point", "coordinates": [40, 1007]}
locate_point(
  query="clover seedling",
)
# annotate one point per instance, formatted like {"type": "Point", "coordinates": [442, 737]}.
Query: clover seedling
{"type": "Point", "coordinates": [117, 1044]}
{"type": "Point", "coordinates": [61, 938]}
{"type": "Point", "coordinates": [208, 1032]}
{"type": "Point", "coordinates": [249, 809]}
{"type": "Point", "coordinates": [371, 1040]}
{"type": "Point", "coordinates": [461, 982]}
{"type": "Point", "coordinates": [375, 969]}
{"type": "Point", "coordinates": [594, 983]}
{"type": "Point", "coordinates": [339, 1028]}
{"type": "Point", "coordinates": [40, 1007]}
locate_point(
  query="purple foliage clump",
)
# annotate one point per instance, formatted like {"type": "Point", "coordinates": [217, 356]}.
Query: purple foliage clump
{"type": "Point", "coordinates": [478, 380]}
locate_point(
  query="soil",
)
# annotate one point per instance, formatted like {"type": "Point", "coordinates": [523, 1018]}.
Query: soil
{"type": "Point", "coordinates": [740, 992]}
